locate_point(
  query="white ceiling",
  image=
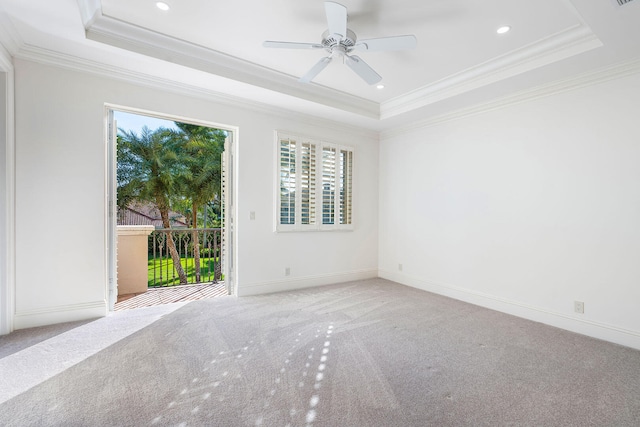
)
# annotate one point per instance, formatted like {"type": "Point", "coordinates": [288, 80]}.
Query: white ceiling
{"type": "Point", "coordinates": [217, 46]}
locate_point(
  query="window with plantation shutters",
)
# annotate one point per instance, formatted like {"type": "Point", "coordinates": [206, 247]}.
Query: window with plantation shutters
{"type": "Point", "coordinates": [315, 184]}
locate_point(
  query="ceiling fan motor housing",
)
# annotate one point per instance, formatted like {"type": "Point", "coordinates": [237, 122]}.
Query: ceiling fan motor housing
{"type": "Point", "coordinates": [346, 43]}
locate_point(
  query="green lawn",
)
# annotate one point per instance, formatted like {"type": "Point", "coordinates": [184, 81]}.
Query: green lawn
{"type": "Point", "coordinates": [165, 268]}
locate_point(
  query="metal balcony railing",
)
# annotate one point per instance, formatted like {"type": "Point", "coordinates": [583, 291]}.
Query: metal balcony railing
{"type": "Point", "coordinates": [206, 254]}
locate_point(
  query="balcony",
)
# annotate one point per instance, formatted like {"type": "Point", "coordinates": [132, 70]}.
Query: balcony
{"type": "Point", "coordinates": [159, 266]}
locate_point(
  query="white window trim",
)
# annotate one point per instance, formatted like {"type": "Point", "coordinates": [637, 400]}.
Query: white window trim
{"type": "Point", "coordinates": [319, 226]}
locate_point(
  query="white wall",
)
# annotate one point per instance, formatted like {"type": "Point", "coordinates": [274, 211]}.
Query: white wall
{"type": "Point", "coordinates": [525, 209]}
{"type": "Point", "coordinates": [60, 192]}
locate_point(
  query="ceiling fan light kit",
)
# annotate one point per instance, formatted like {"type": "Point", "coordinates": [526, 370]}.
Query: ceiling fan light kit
{"type": "Point", "coordinates": [339, 41]}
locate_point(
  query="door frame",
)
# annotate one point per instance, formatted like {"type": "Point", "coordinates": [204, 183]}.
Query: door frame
{"type": "Point", "coordinates": [111, 284]}
{"type": "Point", "coordinates": [7, 196]}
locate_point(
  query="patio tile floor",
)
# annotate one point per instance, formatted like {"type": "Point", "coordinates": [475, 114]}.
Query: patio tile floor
{"type": "Point", "coordinates": [158, 296]}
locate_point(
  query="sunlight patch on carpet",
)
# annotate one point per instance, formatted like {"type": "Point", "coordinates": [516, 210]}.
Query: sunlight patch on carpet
{"type": "Point", "coordinates": [35, 364]}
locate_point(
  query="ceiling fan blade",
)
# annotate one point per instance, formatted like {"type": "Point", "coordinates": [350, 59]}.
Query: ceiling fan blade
{"type": "Point", "coordinates": [315, 70]}
{"type": "Point", "coordinates": [362, 69]}
{"type": "Point", "coordinates": [336, 18]}
{"type": "Point", "coordinates": [387, 43]}
{"type": "Point", "coordinates": [292, 45]}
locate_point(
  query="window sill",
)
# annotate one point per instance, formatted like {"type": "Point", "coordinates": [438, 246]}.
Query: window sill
{"type": "Point", "coordinates": [312, 229]}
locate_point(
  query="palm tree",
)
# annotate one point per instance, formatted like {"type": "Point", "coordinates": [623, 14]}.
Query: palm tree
{"type": "Point", "coordinates": [150, 168]}
{"type": "Point", "coordinates": [203, 147]}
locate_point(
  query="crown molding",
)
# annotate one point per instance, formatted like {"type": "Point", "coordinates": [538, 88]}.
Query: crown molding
{"type": "Point", "coordinates": [590, 78]}
{"type": "Point", "coordinates": [10, 40]}
{"type": "Point", "coordinates": [47, 57]}
{"type": "Point", "coordinates": [74, 63]}
{"type": "Point", "coordinates": [89, 11]}
{"type": "Point", "coordinates": [105, 29]}
{"type": "Point", "coordinates": [573, 41]}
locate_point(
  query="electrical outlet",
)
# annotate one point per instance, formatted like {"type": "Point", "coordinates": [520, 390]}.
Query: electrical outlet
{"type": "Point", "coordinates": [252, 215]}
{"type": "Point", "coordinates": [399, 267]}
{"type": "Point", "coordinates": [578, 307]}
{"type": "Point", "coordinates": [287, 271]}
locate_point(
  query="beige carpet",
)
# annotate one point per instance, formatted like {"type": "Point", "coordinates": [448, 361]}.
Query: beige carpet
{"type": "Point", "coordinates": [369, 353]}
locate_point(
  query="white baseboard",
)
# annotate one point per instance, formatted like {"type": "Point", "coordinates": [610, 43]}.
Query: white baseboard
{"type": "Point", "coordinates": [60, 314]}
{"type": "Point", "coordinates": [574, 324]}
{"type": "Point", "coordinates": [304, 282]}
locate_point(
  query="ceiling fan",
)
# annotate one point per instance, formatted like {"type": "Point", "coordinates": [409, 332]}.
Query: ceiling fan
{"type": "Point", "coordinates": [340, 41]}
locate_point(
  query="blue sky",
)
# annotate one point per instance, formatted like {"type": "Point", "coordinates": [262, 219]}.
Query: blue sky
{"type": "Point", "coordinates": [135, 122]}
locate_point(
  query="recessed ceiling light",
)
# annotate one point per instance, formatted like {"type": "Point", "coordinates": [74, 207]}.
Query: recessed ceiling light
{"type": "Point", "coordinates": [162, 6]}
{"type": "Point", "coordinates": [380, 87]}
{"type": "Point", "coordinates": [504, 29]}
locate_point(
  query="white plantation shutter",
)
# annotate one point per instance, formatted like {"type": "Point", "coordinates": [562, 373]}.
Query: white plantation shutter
{"type": "Point", "coordinates": [345, 175]}
{"type": "Point", "coordinates": [328, 185]}
{"type": "Point", "coordinates": [315, 185]}
{"type": "Point", "coordinates": [308, 183]}
{"type": "Point", "coordinates": [287, 181]}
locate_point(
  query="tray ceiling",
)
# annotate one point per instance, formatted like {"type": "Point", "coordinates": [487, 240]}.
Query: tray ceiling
{"type": "Point", "coordinates": [459, 51]}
